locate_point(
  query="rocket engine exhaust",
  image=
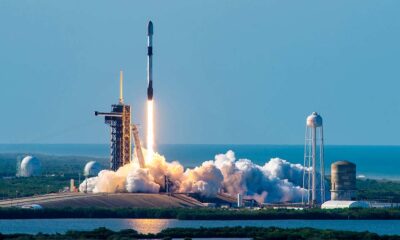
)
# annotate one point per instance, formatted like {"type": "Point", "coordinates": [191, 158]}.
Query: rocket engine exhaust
{"type": "Point", "coordinates": [150, 131]}
{"type": "Point", "coordinates": [274, 181]}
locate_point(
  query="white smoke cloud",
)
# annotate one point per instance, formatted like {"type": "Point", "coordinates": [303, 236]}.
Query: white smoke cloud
{"type": "Point", "coordinates": [139, 180]}
{"type": "Point", "coordinates": [88, 184]}
{"type": "Point", "coordinates": [206, 179]}
{"type": "Point", "coordinates": [276, 181]}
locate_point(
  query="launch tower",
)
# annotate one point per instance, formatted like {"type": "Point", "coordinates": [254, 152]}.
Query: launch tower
{"type": "Point", "coordinates": [119, 120]}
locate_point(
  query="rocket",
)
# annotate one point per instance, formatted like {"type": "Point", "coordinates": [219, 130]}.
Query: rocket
{"type": "Point", "coordinates": [150, 61]}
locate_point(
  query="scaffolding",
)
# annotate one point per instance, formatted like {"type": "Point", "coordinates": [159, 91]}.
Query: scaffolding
{"type": "Point", "coordinates": [119, 120]}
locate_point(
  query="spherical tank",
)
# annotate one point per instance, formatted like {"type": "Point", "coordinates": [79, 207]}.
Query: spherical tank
{"type": "Point", "coordinates": [30, 166]}
{"type": "Point", "coordinates": [91, 169]}
{"type": "Point", "coordinates": [314, 120]}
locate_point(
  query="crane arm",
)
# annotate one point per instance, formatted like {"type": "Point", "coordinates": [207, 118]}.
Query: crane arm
{"type": "Point", "coordinates": [96, 113]}
{"type": "Point", "coordinates": [138, 147]}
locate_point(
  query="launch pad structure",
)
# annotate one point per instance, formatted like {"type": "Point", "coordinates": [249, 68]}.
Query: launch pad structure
{"type": "Point", "coordinates": [119, 120]}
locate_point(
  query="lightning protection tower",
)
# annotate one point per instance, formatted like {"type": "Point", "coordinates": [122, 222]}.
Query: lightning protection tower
{"type": "Point", "coordinates": [314, 182]}
{"type": "Point", "coordinates": [119, 120]}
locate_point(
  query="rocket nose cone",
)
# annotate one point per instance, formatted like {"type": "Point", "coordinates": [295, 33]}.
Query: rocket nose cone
{"type": "Point", "coordinates": [150, 28]}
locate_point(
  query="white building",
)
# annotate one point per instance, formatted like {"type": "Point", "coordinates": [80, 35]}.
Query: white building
{"type": "Point", "coordinates": [344, 204]}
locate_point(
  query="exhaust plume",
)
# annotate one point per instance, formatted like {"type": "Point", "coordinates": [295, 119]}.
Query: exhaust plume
{"type": "Point", "coordinates": [276, 181]}
{"type": "Point", "coordinates": [150, 130]}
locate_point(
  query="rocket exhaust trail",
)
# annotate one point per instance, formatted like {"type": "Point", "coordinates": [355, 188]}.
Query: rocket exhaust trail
{"type": "Point", "coordinates": [150, 131]}
{"type": "Point", "coordinates": [150, 111]}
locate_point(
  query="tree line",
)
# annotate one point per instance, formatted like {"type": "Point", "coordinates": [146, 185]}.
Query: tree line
{"type": "Point", "coordinates": [270, 233]}
{"type": "Point", "coordinates": [201, 213]}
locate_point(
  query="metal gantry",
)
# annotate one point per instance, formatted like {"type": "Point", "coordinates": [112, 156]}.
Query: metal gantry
{"type": "Point", "coordinates": [119, 120]}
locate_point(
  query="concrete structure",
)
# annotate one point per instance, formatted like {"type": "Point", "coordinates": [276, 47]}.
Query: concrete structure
{"type": "Point", "coordinates": [92, 169]}
{"type": "Point", "coordinates": [239, 200]}
{"type": "Point", "coordinates": [105, 200]}
{"type": "Point", "coordinates": [30, 166]}
{"type": "Point", "coordinates": [72, 187]}
{"type": "Point", "coordinates": [121, 200]}
{"type": "Point", "coordinates": [344, 204]}
{"type": "Point", "coordinates": [313, 181]}
{"type": "Point", "coordinates": [119, 120]}
{"type": "Point", "coordinates": [343, 181]}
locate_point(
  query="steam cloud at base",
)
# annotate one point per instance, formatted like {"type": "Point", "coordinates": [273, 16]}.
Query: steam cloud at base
{"type": "Point", "coordinates": [276, 181]}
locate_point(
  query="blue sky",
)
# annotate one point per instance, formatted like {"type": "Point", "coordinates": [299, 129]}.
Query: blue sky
{"type": "Point", "coordinates": [245, 72]}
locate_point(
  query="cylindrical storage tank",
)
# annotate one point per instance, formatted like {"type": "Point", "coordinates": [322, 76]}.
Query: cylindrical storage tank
{"type": "Point", "coordinates": [343, 181]}
{"type": "Point", "coordinates": [30, 166]}
{"type": "Point", "coordinates": [91, 169]}
{"type": "Point", "coordinates": [72, 185]}
{"type": "Point", "coordinates": [239, 200]}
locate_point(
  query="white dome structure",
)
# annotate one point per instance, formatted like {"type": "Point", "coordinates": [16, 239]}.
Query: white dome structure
{"type": "Point", "coordinates": [30, 166]}
{"type": "Point", "coordinates": [314, 120]}
{"type": "Point", "coordinates": [91, 169]}
{"type": "Point", "coordinates": [332, 204]}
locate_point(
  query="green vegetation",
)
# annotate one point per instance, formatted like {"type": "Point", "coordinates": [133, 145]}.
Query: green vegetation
{"type": "Point", "coordinates": [57, 172]}
{"type": "Point", "coordinates": [8, 164]}
{"type": "Point", "coordinates": [379, 190]}
{"type": "Point", "coordinates": [23, 187]}
{"type": "Point", "coordinates": [51, 164]}
{"type": "Point", "coordinates": [272, 233]}
{"type": "Point", "coordinates": [200, 213]}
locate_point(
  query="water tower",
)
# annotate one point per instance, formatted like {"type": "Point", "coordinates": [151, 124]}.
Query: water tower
{"type": "Point", "coordinates": [313, 181]}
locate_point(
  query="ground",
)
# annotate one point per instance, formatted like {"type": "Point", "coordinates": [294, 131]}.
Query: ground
{"type": "Point", "coordinates": [111, 200]}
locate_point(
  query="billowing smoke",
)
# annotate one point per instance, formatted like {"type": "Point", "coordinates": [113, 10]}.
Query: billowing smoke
{"type": "Point", "coordinates": [276, 181]}
{"type": "Point", "coordinates": [139, 180]}
{"type": "Point", "coordinates": [206, 179]}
